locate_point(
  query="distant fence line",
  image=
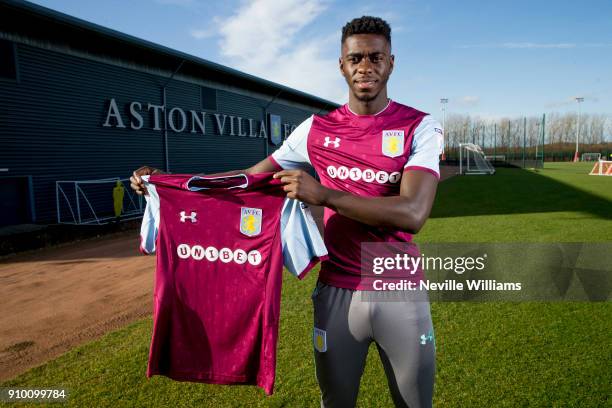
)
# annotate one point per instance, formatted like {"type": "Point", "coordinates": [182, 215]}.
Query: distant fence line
{"type": "Point", "coordinates": [551, 137]}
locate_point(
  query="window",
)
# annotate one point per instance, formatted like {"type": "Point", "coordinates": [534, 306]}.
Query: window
{"type": "Point", "coordinates": [209, 98]}
{"type": "Point", "coordinates": [8, 62]}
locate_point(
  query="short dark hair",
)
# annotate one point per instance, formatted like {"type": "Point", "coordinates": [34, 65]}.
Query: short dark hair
{"type": "Point", "coordinates": [366, 25]}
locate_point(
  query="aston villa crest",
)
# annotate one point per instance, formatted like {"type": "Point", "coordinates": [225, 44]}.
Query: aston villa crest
{"type": "Point", "coordinates": [250, 221]}
{"type": "Point", "coordinates": [392, 143]}
{"type": "Point", "coordinates": [275, 129]}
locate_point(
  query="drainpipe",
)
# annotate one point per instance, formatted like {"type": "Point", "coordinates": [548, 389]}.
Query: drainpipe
{"type": "Point", "coordinates": [165, 137]}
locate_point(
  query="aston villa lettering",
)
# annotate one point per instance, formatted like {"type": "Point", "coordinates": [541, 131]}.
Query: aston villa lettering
{"type": "Point", "coordinates": [180, 120]}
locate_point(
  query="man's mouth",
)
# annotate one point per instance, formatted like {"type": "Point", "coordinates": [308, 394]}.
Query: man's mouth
{"type": "Point", "coordinates": [366, 84]}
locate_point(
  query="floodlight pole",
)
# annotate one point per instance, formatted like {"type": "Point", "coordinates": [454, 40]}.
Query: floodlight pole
{"type": "Point", "coordinates": [164, 101]}
{"type": "Point", "coordinates": [537, 125]}
{"type": "Point", "coordinates": [460, 159]}
{"type": "Point", "coordinates": [484, 131]}
{"type": "Point", "coordinates": [543, 136]}
{"type": "Point", "coordinates": [524, 138]}
{"type": "Point", "coordinates": [495, 141]}
{"type": "Point", "coordinates": [443, 101]}
{"type": "Point", "coordinates": [579, 100]}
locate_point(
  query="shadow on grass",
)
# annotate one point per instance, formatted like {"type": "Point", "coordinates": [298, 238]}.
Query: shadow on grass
{"type": "Point", "coordinates": [518, 191]}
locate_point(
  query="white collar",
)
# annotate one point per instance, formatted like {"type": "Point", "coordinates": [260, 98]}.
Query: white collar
{"type": "Point", "coordinates": [376, 114]}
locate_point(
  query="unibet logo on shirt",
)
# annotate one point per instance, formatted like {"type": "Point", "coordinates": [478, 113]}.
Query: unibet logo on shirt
{"type": "Point", "coordinates": [212, 254]}
{"type": "Point", "coordinates": [367, 175]}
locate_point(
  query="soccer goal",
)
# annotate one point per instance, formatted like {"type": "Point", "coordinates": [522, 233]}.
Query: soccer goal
{"type": "Point", "coordinates": [87, 202]}
{"type": "Point", "coordinates": [472, 160]}
{"type": "Point", "coordinates": [495, 157]}
{"type": "Point", "coordinates": [602, 168]}
{"type": "Point", "coordinates": [590, 157]}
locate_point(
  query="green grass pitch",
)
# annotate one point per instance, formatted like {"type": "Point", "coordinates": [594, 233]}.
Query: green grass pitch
{"type": "Point", "coordinates": [488, 354]}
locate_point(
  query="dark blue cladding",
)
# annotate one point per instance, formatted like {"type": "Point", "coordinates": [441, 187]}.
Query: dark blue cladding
{"type": "Point", "coordinates": [53, 110]}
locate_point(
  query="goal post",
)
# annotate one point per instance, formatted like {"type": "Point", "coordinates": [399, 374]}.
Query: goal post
{"type": "Point", "coordinates": [590, 157]}
{"type": "Point", "coordinates": [602, 168]}
{"type": "Point", "coordinates": [500, 157]}
{"type": "Point", "coordinates": [495, 157]}
{"type": "Point", "coordinates": [472, 160]}
{"type": "Point", "coordinates": [95, 202]}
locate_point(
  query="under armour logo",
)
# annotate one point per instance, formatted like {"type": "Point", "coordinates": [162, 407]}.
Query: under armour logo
{"type": "Point", "coordinates": [427, 337]}
{"type": "Point", "coordinates": [335, 142]}
{"type": "Point", "coordinates": [185, 217]}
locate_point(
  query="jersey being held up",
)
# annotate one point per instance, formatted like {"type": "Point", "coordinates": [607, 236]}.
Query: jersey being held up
{"type": "Point", "coordinates": [221, 243]}
{"type": "Point", "coordinates": [365, 155]}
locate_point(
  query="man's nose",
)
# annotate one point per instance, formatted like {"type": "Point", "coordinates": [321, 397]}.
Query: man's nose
{"type": "Point", "coordinates": [365, 65]}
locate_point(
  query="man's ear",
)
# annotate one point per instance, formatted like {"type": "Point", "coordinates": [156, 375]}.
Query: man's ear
{"type": "Point", "coordinates": [391, 63]}
{"type": "Point", "coordinates": [341, 65]}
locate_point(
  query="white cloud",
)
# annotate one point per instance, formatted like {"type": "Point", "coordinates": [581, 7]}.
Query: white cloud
{"type": "Point", "coordinates": [200, 34]}
{"type": "Point", "coordinates": [571, 101]}
{"type": "Point", "coordinates": [535, 45]}
{"type": "Point", "coordinates": [524, 45]}
{"type": "Point", "coordinates": [489, 117]}
{"type": "Point", "coordinates": [266, 26]}
{"type": "Point", "coordinates": [469, 100]}
{"type": "Point", "coordinates": [263, 38]}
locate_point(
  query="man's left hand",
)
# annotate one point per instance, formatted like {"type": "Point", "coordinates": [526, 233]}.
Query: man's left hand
{"type": "Point", "coordinates": [302, 186]}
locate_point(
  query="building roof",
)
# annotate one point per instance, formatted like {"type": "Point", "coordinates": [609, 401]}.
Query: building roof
{"type": "Point", "coordinates": [45, 25]}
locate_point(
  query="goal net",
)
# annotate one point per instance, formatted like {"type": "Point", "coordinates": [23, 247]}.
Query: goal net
{"type": "Point", "coordinates": [590, 156]}
{"type": "Point", "coordinates": [86, 202]}
{"type": "Point", "coordinates": [495, 157]}
{"type": "Point", "coordinates": [602, 168]}
{"type": "Point", "coordinates": [472, 160]}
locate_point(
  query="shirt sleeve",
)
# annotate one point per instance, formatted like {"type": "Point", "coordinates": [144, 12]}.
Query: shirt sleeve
{"type": "Point", "coordinates": [427, 145]}
{"type": "Point", "coordinates": [150, 220]}
{"type": "Point", "coordinates": [293, 153]}
{"type": "Point", "coordinates": [302, 243]}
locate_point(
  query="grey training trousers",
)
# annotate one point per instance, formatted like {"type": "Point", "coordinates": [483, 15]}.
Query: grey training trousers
{"type": "Point", "coordinates": [346, 322]}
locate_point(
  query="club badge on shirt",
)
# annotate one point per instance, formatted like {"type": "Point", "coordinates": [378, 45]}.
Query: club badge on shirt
{"type": "Point", "coordinates": [319, 339]}
{"type": "Point", "coordinates": [392, 143]}
{"type": "Point", "coordinates": [250, 221]}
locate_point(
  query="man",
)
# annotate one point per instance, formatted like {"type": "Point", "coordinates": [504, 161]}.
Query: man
{"type": "Point", "coordinates": [118, 193]}
{"type": "Point", "coordinates": [378, 165]}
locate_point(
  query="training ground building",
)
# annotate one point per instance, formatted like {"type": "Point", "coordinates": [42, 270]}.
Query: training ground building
{"type": "Point", "coordinates": [80, 103]}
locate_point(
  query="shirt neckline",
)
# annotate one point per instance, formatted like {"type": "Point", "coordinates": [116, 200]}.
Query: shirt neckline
{"type": "Point", "coordinates": [217, 178]}
{"type": "Point", "coordinates": [375, 114]}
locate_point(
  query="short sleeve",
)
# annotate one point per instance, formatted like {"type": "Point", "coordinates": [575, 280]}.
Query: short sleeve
{"type": "Point", "coordinates": [150, 219]}
{"type": "Point", "coordinates": [302, 243]}
{"type": "Point", "coordinates": [427, 145]}
{"type": "Point", "coordinates": [293, 153]}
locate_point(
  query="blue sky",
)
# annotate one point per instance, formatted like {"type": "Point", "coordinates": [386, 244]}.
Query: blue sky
{"type": "Point", "coordinates": [490, 58]}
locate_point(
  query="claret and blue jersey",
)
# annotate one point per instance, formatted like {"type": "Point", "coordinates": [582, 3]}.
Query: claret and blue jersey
{"type": "Point", "coordinates": [364, 155]}
{"type": "Point", "coordinates": [221, 243]}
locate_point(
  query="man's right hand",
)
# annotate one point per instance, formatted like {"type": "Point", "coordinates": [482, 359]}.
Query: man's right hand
{"type": "Point", "coordinates": [136, 180]}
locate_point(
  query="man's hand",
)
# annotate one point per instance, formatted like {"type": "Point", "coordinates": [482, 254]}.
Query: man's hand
{"type": "Point", "coordinates": [136, 181]}
{"type": "Point", "coordinates": [407, 211]}
{"type": "Point", "coordinates": [302, 186]}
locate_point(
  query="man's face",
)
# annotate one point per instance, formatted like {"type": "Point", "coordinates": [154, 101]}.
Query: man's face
{"type": "Point", "coordinates": [366, 64]}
